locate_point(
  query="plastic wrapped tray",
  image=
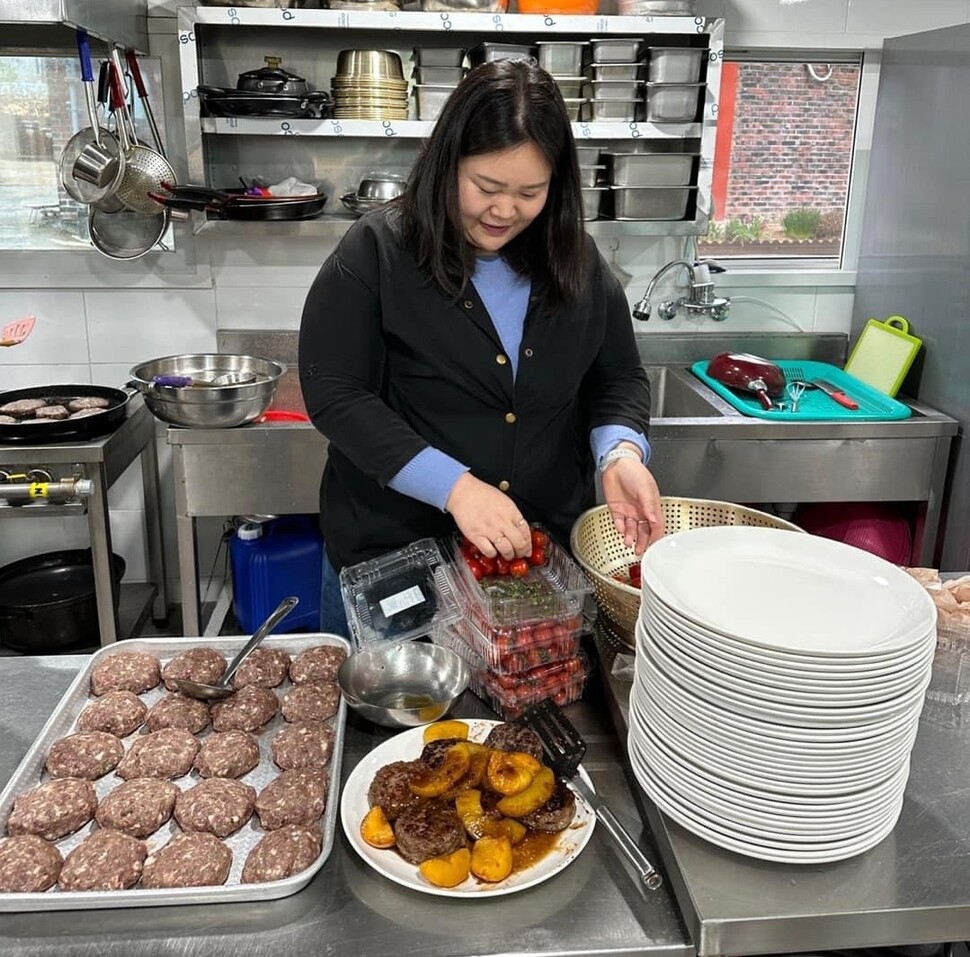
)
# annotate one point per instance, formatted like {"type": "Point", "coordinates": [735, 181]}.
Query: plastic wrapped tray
{"type": "Point", "coordinates": [62, 722]}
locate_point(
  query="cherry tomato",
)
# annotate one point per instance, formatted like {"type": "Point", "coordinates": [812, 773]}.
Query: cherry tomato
{"type": "Point", "coordinates": [635, 575]}
{"type": "Point", "coordinates": [501, 566]}
{"type": "Point", "coordinates": [476, 568]}
{"type": "Point", "coordinates": [538, 556]}
{"type": "Point", "coordinates": [539, 538]}
{"type": "Point", "coordinates": [518, 568]}
{"type": "Point", "coordinates": [488, 564]}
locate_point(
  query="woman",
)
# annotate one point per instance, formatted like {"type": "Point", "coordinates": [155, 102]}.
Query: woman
{"type": "Point", "coordinates": [467, 351]}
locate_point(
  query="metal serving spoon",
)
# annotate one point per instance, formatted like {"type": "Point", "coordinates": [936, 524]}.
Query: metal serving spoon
{"type": "Point", "coordinates": [222, 688]}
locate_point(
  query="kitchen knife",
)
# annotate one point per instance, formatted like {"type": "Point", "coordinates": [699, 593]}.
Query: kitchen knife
{"type": "Point", "coordinates": [835, 393]}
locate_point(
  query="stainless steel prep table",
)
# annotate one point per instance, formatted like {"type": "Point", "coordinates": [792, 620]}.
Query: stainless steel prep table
{"type": "Point", "coordinates": [911, 888]}
{"type": "Point", "coordinates": [591, 908]}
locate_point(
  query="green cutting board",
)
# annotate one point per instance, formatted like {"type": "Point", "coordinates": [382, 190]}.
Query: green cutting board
{"type": "Point", "coordinates": [883, 354]}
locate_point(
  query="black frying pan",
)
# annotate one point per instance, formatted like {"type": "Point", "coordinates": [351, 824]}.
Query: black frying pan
{"type": "Point", "coordinates": [27, 432]}
{"type": "Point", "coordinates": [237, 204]}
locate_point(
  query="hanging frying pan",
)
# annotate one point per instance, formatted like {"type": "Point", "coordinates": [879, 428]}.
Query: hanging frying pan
{"type": "Point", "coordinates": [29, 430]}
{"type": "Point", "coordinates": [236, 204]}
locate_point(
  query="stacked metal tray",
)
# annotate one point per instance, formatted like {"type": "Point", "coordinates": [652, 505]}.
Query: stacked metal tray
{"type": "Point", "coordinates": [30, 773]}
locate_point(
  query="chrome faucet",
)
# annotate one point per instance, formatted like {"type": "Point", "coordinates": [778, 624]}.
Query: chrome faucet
{"type": "Point", "coordinates": [700, 298]}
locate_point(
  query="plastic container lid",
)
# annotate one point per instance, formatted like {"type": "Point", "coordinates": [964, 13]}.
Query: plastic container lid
{"type": "Point", "coordinates": [400, 595]}
{"type": "Point", "coordinates": [248, 533]}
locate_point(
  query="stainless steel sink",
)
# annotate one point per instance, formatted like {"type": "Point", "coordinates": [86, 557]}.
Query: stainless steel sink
{"type": "Point", "coordinates": [676, 394]}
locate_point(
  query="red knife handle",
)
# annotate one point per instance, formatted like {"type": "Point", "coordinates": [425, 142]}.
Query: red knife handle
{"type": "Point", "coordinates": [843, 399]}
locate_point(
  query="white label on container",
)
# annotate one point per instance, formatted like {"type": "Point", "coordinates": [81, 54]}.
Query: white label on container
{"type": "Point", "coordinates": [391, 605]}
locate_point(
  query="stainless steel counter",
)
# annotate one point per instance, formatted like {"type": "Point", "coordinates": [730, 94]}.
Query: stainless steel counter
{"type": "Point", "coordinates": [590, 908]}
{"type": "Point", "coordinates": [911, 888]}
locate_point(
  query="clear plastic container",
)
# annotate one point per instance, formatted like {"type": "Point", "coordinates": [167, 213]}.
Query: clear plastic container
{"type": "Point", "coordinates": [947, 700]}
{"type": "Point", "coordinates": [400, 595]}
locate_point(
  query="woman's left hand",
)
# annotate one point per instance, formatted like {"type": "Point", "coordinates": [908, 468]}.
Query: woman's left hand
{"type": "Point", "coordinates": [633, 497]}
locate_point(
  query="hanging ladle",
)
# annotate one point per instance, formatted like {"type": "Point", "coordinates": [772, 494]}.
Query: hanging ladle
{"type": "Point", "coordinates": [223, 687]}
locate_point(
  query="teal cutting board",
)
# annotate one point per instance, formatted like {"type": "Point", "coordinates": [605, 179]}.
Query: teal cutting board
{"type": "Point", "coordinates": [815, 405]}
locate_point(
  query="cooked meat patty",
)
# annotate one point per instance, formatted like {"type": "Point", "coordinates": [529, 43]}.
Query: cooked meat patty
{"type": "Point", "coordinates": [266, 667]}
{"type": "Point", "coordinates": [302, 746]}
{"type": "Point", "coordinates": [21, 408]}
{"type": "Point", "coordinates": [391, 788]}
{"type": "Point", "coordinates": [515, 737]}
{"type": "Point", "coordinates": [556, 814]}
{"type": "Point", "coordinates": [105, 861]}
{"type": "Point", "coordinates": [138, 807]}
{"type": "Point", "coordinates": [87, 754]}
{"type": "Point", "coordinates": [7, 420]}
{"type": "Point", "coordinates": [227, 754]}
{"type": "Point", "coordinates": [51, 412]}
{"type": "Point", "coordinates": [132, 671]}
{"type": "Point", "coordinates": [283, 853]}
{"type": "Point", "coordinates": [178, 711]}
{"type": "Point", "coordinates": [28, 864]}
{"type": "Point", "coordinates": [313, 701]}
{"type": "Point", "coordinates": [219, 806]}
{"type": "Point", "coordinates": [85, 402]}
{"type": "Point", "coordinates": [317, 664]}
{"type": "Point", "coordinates": [245, 710]}
{"type": "Point", "coordinates": [85, 413]}
{"type": "Point", "coordinates": [429, 830]}
{"type": "Point", "coordinates": [168, 753]}
{"type": "Point", "coordinates": [188, 860]}
{"type": "Point", "coordinates": [53, 809]}
{"type": "Point", "coordinates": [433, 753]}
{"type": "Point", "coordinates": [117, 712]}
{"type": "Point", "coordinates": [295, 797]}
{"type": "Point", "coordinates": [204, 665]}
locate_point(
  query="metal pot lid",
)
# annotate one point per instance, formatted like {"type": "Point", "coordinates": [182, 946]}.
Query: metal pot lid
{"type": "Point", "coordinates": [271, 78]}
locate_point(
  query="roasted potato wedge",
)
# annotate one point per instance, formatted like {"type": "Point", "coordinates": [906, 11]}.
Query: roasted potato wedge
{"type": "Point", "coordinates": [532, 798]}
{"type": "Point", "coordinates": [433, 782]}
{"type": "Point", "coordinates": [375, 828]}
{"type": "Point", "coordinates": [445, 729]}
{"type": "Point", "coordinates": [491, 859]}
{"type": "Point", "coordinates": [448, 871]}
{"type": "Point", "coordinates": [507, 827]}
{"type": "Point", "coordinates": [510, 772]}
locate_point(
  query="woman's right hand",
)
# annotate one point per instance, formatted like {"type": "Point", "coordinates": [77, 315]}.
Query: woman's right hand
{"type": "Point", "coordinates": [489, 519]}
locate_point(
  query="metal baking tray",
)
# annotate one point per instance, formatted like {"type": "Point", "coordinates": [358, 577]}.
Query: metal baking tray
{"type": "Point", "coordinates": [30, 773]}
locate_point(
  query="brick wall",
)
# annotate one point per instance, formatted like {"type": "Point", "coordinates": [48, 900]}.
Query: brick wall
{"type": "Point", "coordinates": [792, 142]}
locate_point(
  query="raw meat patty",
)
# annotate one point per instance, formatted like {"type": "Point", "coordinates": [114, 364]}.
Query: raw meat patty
{"type": "Point", "coordinates": [391, 788]}
{"type": "Point", "coordinates": [245, 710]}
{"type": "Point", "coordinates": [125, 671]}
{"type": "Point", "coordinates": [295, 797]}
{"type": "Point", "coordinates": [283, 853]}
{"type": "Point", "coordinates": [178, 711]}
{"type": "Point", "coordinates": [52, 412]}
{"type": "Point", "coordinates": [86, 402]}
{"type": "Point", "coordinates": [138, 807]}
{"type": "Point", "coordinates": [188, 860]}
{"type": "Point", "coordinates": [204, 665]}
{"type": "Point", "coordinates": [7, 420]}
{"type": "Point", "coordinates": [266, 667]}
{"type": "Point", "coordinates": [28, 864]}
{"type": "Point", "coordinates": [117, 712]}
{"type": "Point", "coordinates": [431, 829]}
{"type": "Point", "coordinates": [515, 737]}
{"type": "Point", "coordinates": [317, 664]}
{"type": "Point", "coordinates": [227, 754]}
{"type": "Point", "coordinates": [87, 754]}
{"type": "Point", "coordinates": [218, 806]}
{"type": "Point", "coordinates": [168, 753]}
{"type": "Point", "coordinates": [314, 701]}
{"type": "Point", "coordinates": [556, 814]}
{"type": "Point", "coordinates": [22, 407]}
{"type": "Point", "coordinates": [58, 807]}
{"type": "Point", "coordinates": [302, 746]}
{"type": "Point", "coordinates": [105, 861]}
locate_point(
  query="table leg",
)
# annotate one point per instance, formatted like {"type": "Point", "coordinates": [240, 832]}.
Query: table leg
{"type": "Point", "coordinates": [188, 575]}
{"type": "Point", "coordinates": [100, 531]}
{"type": "Point", "coordinates": [153, 530]}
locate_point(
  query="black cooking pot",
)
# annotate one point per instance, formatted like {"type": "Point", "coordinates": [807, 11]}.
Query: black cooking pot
{"type": "Point", "coordinates": [272, 79]}
{"type": "Point", "coordinates": [48, 604]}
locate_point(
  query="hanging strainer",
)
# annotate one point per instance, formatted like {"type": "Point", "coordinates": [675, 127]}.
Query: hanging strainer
{"type": "Point", "coordinates": [126, 235]}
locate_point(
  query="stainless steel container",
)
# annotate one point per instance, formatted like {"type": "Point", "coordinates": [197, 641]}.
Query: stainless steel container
{"type": "Point", "coordinates": [574, 107]}
{"type": "Point", "coordinates": [615, 49]}
{"type": "Point", "coordinates": [663, 8]}
{"type": "Point", "coordinates": [561, 57]}
{"type": "Point", "coordinates": [569, 86]}
{"type": "Point", "coordinates": [439, 56]}
{"type": "Point", "coordinates": [672, 102]}
{"type": "Point", "coordinates": [591, 175]}
{"type": "Point", "coordinates": [439, 75]}
{"type": "Point", "coordinates": [650, 202]}
{"type": "Point", "coordinates": [649, 169]}
{"type": "Point", "coordinates": [675, 64]}
{"type": "Point", "coordinates": [484, 52]}
{"type": "Point", "coordinates": [208, 407]}
{"type": "Point", "coordinates": [615, 71]}
{"type": "Point", "coordinates": [588, 155]}
{"type": "Point", "coordinates": [610, 110]}
{"type": "Point", "coordinates": [592, 197]}
{"type": "Point", "coordinates": [431, 100]}
{"type": "Point", "coordinates": [465, 6]}
{"type": "Point", "coordinates": [613, 89]}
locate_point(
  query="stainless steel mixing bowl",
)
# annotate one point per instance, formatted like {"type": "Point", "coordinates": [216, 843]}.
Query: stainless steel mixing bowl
{"type": "Point", "coordinates": [206, 406]}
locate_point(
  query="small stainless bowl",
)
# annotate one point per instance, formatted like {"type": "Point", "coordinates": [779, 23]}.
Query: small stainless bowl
{"type": "Point", "coordinates": [403, 685]}
{"type": "Point", "coordinates": [381, 187]}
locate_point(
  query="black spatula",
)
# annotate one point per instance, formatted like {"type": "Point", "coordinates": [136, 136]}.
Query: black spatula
{"type": "Point", "coordinates": [564, 749]}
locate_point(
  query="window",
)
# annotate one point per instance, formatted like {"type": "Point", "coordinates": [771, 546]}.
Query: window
{"type": "Point", "coordinates": [42, 104]}
{"type": "Point", "coordinates": [782, 158]}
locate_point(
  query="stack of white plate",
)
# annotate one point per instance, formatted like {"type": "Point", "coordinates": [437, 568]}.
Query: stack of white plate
{"type": "Point", "coordinates": [778, 684]}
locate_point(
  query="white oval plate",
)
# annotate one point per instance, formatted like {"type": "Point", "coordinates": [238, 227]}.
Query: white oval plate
{"type": "Point", "coordinates": [407, 746]}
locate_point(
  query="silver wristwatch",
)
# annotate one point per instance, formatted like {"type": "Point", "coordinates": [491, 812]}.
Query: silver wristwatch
{"type": "Point", "coordinates": [622, 453]}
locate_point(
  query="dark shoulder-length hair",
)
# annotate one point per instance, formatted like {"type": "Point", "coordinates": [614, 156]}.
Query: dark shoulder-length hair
{"type": "Point", "coordinates": [499, 105]}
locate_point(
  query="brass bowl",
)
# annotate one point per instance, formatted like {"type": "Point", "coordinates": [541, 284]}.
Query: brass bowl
{"type": "Point", "coordinates": [372, 63]}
